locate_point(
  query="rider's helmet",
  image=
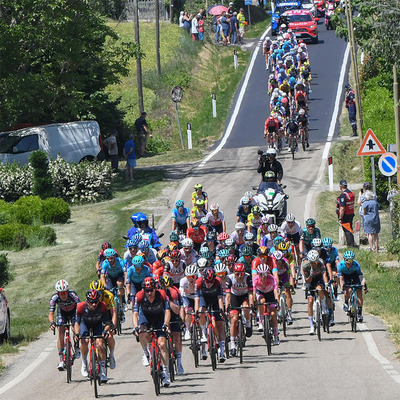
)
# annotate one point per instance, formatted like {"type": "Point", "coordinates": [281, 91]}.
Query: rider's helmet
{"type": "Point", "coordinates": [302, 111]}
{"type": "Point", "coordinates": [249, 194]}
{"type": "Point", "coordinates": [270, 175]}
{"type": "Point", "coordinates": [148, 283]}
{"type": "Point", "coordinates": [211, 236]}
{"type": "Point", "coordinates": [144, 245]}
{"type": "Point", "coordinates": [187, 242]}
{"type": "Point", "coordinates": [271, 152]}
{"type": "Point", "coordinates": [97, 285]}
{"type": "Point", "coordinates": [262, 251]}
{"type": "Point", "coordinates": [223, 253]}
{"type": "Point", "coordinates": [136, 239]}
{"type": "Point", "coordinates": [229, 242]}
{"type": "Point", "coordinates": [198, 186]}
{"type": "Point", "coordinates": [195, 223]}
{"type": "Point", "coordinates": [277, 254]}
{"type": "Point", "coordinates": [240, 226]}
{"type": "Point", "coordinates": [223, 236]}
{"type": "Point", "coordinates": [172, 246]}
{"type": "Point", "coordinates": [256, 210]}
{"type": "Point", "coordinates": [310, 222]}
{"type": "Point", "coordinates": [239, 268]}
{"type": "Point", "coordinates": [93, 296]}
{"type": "Point", "coordinates": [214, 206]}
{"type": "Point", "coordinates": [220, 268]}
{"type": "Point", "coordinates": [137, 261]}
{"type": "Point", "coordinates": [249, 236]}
{"type": "Point", "coordinates": [278, 240]}
{"type": "Point", "coordinates": [316, 243]}
{"type": "Point", "coordinates": [166, 281]}
{"type": "Point", "coordinates": [272, 76]}
{"type": "Point", "coordinates": [109, 253]}
{"type": "Point", "coordinates": [199, 203]}
{"type": "Point", "coordinates": [62, 286]}
{"type": "Point", "coordinates": [201, 263]}
{"type": "Point", "coordinates": [290, 218]}
{"type": "Point", "coordinates": [262, 269]}
{"type": "Point", "coordinates": [204, 221]}
{"type": "Point", "coordinates": [106, 245]}
{"type": "Point", "coordinates": [283, 246]}
{"type": "Point", "coordinates": [313, 255]}
{"type": "Point", "coordinates": [349, 255]}
{"type": "Point", "coordinates": [130, 244]}
{"type": "Point", "coordinates": [244, 201]}
{"type": "Point", "coordinates": [273, 228]}
{"type": "Point", "coordinates": [327, 242]}
{"type": "Point", "coordinates": [208, 255]}
{"type": "Point", "coordinates": [179, 203]}
{"type": "Point", "coordinates": [175, 255]}
{"type": "Point", "coordinates": [191, 270]}
{"type": "Point", "coordinates": [173, 237]}
{"type": "Point", "coordinates": [209, 275]}
{"type": "Point", "coordinates": [162, 253]}
{"type": "Point", "coordinates": [247, 251]}
{"type": "Point", "coordinates": [265, 220]}
{"type": "Point", "coordinates": [231, 259]}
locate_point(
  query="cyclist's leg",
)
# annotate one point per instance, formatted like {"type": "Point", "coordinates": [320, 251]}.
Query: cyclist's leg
{"type": "Point", "coordinates": [310, 301]}
{"type": "Point", "coordinates": [84, 332]}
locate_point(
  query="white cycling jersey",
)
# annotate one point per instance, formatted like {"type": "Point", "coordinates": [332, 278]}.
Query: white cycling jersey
{"type": "Point", "coordinates": [286, 229]}
{"type": "Point", "coordinates": [186, 289]}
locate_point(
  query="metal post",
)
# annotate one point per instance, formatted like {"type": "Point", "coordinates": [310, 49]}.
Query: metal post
{"type": "Point", "coordinates": [157, 11]}
{"type": "Point", "coordinates": [138, 60]}
{"type": "Point", "coordinates": [235, 59]}
{"type": "Point", "coordinates": [214, 105]}
{"type": "Point", "coordinates": [179, 125]}
{"type": "Point", "coordinates": [189, 135]}
{"type": "Point", "coordinates": [248, 11]}
{"type": "Point", "coordinates": [330, 172]}
{"type": "Point", "coordinates": [373, 174]}
{"type": "Point", "coordinates": [396, 120]}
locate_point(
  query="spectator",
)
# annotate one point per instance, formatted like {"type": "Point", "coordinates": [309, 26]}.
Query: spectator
{"type": "Point", "coordinates": [130, 156]}
{"type": "Point", "coordinates": [242, 22]}
{"type": "Point", "coordinates": [112, 145]}
{"type": "Point", "coordinates": [230, 9]}
{"type": "Point", "coordinates": [346, 212]}
{"type": "Point", "coordinates": [217, 28]}
{"type": "Point", "coordinates": [372, 223]}
{"type": "Point", "coordinates": [361, 199]}
{"type": "Point", "coordinates": [143, 132]}
{"type": "Point", "coordinates": [195, 28]}
{"type": "Point", "coordinates": [182, 19]}
{"type": "Point", "coordinates": [225, 23]}
{"type": "Point", "coordinates": [351, 107]}
{"type": "Point", "coordinates": [201, 27]}
{"type": "Point", "coordinates": [234, 28]}
{"type": "Point", "coordinates": [187, 21]}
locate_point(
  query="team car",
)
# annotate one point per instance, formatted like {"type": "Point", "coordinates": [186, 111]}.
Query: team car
{"type": "Point", "coordinates": [4, 317]}
{"type": "Point", "coordinates": [303, 24]}
{"type": "Point", "coordinates": [279, 9]}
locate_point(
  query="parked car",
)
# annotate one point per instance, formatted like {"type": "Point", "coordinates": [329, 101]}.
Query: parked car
{"type": "Point", "coordinates": [4, 317]}
{"type": "Point", "coordinates": [74, 141]}
{"type": "Point", "coordinates": [303, 24]}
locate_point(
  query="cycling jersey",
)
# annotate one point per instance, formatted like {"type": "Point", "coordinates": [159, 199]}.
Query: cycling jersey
{"type": "Point", "coordinates": [283, 269]}
{"type": "Point", "coordinates": [202, 196]}
{"type": "Point", "coordinates": [333, 255]}
{"type": "Point", "coordinates": [253, 222]}
{"type": "Point", "coordinates": [215, 220]}
{"type": "Point", "coordinates": [186, 288]}
{"type": "Point", "coordinates": [267, 241]}
{"type": "Point", "coordinates": [307, 237]}
{"type": "Point", "coordinates": [271, 124]}
{"type": "Point", "coordinates": [267, 286]}
{"type": "Point", "coordinates": [113, 271]}
{"type": "Point", "coordinates": [313, 271]}
{"type": "Point", "coordinates": [209, 294]}
{"type": "Point", "coordinates": [198, 235]}
{"type": "Point", "coordinates": [190, 258]}
{"type": "Point", "coordinates": [152, 310]}
{"type": "Point", "coordinates": [243, 260]}
{"type": "Point", "coordinates": [243, 214]}
{"type": "Point", "coordinates": [270, 261]}
{"type": "Point", "coordinates": [151, 256]}
{"type": "Point", "coordinates": [175, 272]}
{"type": "Point", "coordinates": [180, 218]}
{"type": "Point", "coordinates": [92, 318]}
{"type": "Point", "coordinates": [67, 305]}
{"type": "Point", "coordinates": [237, 288]}
{"type": "Point", "coordinates": [290, 230]}
{"type": "Point", "coordinates": [355, 268]}
{"type": "Point", "coordinates": [135, 278]}
{"type": "Point", "coordinates": [198, 213]}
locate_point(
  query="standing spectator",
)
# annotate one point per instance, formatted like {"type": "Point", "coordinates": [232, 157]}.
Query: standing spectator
{"type": "Point", "coordinates": [182, 19]}
{"type": "Point", "coordinates": [195, 28]}
{"type": "Point", "coordinates": [201, 27]}
{"type": "Point", "coordinates": [346, 212]}
{"type": "Point", "coordinates": [217, 27]}
{"type": "Point", "coordinates": [187, 21]}
{"type": "Point", "coordinates": [361, 199]}
{"type": "Point", "coordinates": [242, 22]}
{"type": "Point", "coordinates": [112, 145]}
{"type": "Point", "coordinates": [143, 132]}
{"type": "Point", "coordinates": [372, 223]}
{"type": "Point", "coordinates": [130, 156]}
{"type": "Point", "coordinates": [234, 28]}
{"type": "Point", "coordinates": [230, 8]}
{"type": "Point", "coordinates": [225, 23]}
{"type": "Point", "coordinates": [351, 107]}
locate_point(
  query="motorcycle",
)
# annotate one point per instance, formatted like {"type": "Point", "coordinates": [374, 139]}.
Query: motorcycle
{"type": "Point", "coordinates": [272, 201]}
{"type": "Point", "coordinates": [328, 14]}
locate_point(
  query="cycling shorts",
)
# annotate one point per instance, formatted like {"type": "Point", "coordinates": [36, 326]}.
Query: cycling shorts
{"type": "Point", "coordinates": [63, 317]}
{"type": "Point", "coordinates": [316, 281]}
{"type": "Point", "coordinates": [97, 329]}
{"type": "Point", "coordinates": [157, 323]}
{"type": "Point", "coordinates": [112, 282]}
{"type": "Point", "coordinates": [188, 304]}
{"type": "Point", "coordinates": [271, 129]}
{"type": "Point", "coordinates": [215, 307]}
{"type": "Point", "coordinates": [302, 103]}
{"type": "Point", "coordinates": [175, 325]}
{"type": "Point", "coordinates": [237, 301]}
{"type": "Point", "coordinates": [269, 297]}
{"type": "Point", "coordinates": [351, 279]}
{"type": "Point", "coordinates": [294, 238]}
{"type": "Point", "coordinates": [284, 278]}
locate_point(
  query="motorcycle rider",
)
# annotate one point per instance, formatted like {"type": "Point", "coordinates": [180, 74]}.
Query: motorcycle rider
{"type": "Point", "coordinates": [267, 162]}
{"type": "Point", "coordinates": [269, 182]}
{"type": "Point", "coordinates": [141, 225]}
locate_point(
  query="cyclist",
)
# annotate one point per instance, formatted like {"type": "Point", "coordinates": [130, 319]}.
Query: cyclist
{"type": "Point", "coordinates": [197, 233]}
{"type": "Point", "coordinates": [332, 262]}
{"type": "Point", "coordinates": [152, 309]}
{"type": "Point", "coordinates": [141, 225]}
{"type": "Point", "coordinates": [249, 241]}
{"type": "Point", "coordinates": [108, 299]}
{"type": "Point", "coordinates": [180, 217]}
{"type": "Point", "coordinates": [186, 288]}
{"type": "Point", "coordinates": [211, 241]}
{"type": "Point", "coordinates": [271, 127]}
{"type": "Point", "coordinates": [199, 194]}
{"type": "Point", "coordinates": [222, 270]}
{"type": "Point", "coordinates": [254, 220]}
{"type": "Point", "coordinates": [148, 253]}
{"type": "Point", "coordinates": [243, 210]}
{"type": "Point", "coordinates": [247, 258]}
{"type": "Point", "coordinates": [350, 274]}
{"type": "Point", "coordinates": [305, 74]}
{"type": "Point", "coordinates": [302, 120]}
{"type": "Point", "coordinates": [101, 257]}
{"type": "Point", "coordinates": [231, 247]}
{"type": "Point", "coordinates": [135, 276]}
{"type": "Point", "coordinates": [188, 255]}
{"type": "Point", "coordinates": [263, 229]}
{"type": "Point", "coordinates": [177, 317]}
{"type": "Point", "coordinates": [315, 277]}
{"type": "Point", "coordinates": [316, 244]}
{"type": "Point", "coordinates": [262, 258]}
{"type": "Point", "coordinates": [238, 235]}
{"type": "Point", "coordinates": [239, 292]}
{"type": "Point", "coordinates": [265, 288]}
{"type": "Point", "coordinates": [132, 246]}
{"type": "Point", "coordinates": [115, 270]}
{"type": "Point", "coordinates": [92, 315]}
{"type": "Point", "coordinates": [292, 132]}
{"type": "Point", "coordinates": [216, 218]}
{"type": "Point", "coordinates": [268, 240]}
{"type": "Point", "coordinates": [66, 301]}
{"type": "Point", "coordinates": [307, 235]}
{"type": "Point", "coordinates": [208, 293]}
{"type": "Point", "coordinates": [291, 230]}
{"type": "Point", "coordinates": [199, 211]}
{"type": "Point", "coordinates": [272, 84]}
{"type": "Point", "coordinates": [157, 268]}
{"type": "Point", "coordinates": [175, 268]}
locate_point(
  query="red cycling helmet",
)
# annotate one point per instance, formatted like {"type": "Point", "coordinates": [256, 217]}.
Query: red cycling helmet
{"type": "Point", "coordinates": [231, 259]}
{"type": "Point", "coordinates": [209, 275]}
{"type": "Point", "coordinates": [93, 296]}
{"type": "Point", "coordinates": [149, 283]}
{"type": "Point", "coordinates": [106, 245]}
{"type": "Point", "coordinates": [223, 236]}
{"type": "Point", "coordinates": [240, 268]}
{"type": "Point", "coordinates": [175, 254]}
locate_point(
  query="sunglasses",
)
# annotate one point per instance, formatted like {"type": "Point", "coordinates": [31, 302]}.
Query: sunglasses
{"type": "Point", "coordinates": [93, 302]}
{"type": "Point", "coordinates": [148, 290]}
{"type": "Point", "coordinates": [221, 274]}
{"type": "Point", "coordinates": [65, 292]}
{"type": "Point", "coordinates": [133, 247]}
{"type": "Point", "coordinates": [263, 274]}
{"type": "Point", "coordinates": [192, 276]}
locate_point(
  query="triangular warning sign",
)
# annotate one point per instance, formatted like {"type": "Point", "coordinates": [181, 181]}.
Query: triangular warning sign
{"type": "Point", "coordinates": [370, 145]}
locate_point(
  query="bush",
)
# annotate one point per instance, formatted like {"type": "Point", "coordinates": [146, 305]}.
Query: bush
{"type": "Point", "coordinates": [15, 181]}
{"type": "Point", "coordinates": [28, 210]}
{"type": "Point", "coordinates": [42, 182]}
{"type": "Point", "coordinates": [158, 144]}
{"type": "Point", "coordinates": [55, 211]}
{"type": "Point", "coordinates": [4, 270]}
{"type": "Point", "coordinates": [5, 212]}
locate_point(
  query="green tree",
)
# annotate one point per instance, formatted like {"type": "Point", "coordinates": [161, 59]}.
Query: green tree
{"type": "Point", "coordinates": [56, 58]}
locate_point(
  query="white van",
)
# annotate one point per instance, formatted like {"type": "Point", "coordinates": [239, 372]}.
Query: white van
{"type": "Point", "coordinates": [74, 141]}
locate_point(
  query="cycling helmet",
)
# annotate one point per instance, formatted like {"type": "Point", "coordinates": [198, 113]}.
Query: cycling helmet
{"type": "Point", "coordinates": [93, 296]}
{"type": "Point", "coordinates": [262, 268]}
{"type": "Point", "coordinates": [203, 250]}
{"type": "Point", "coordinates": [209, 275]}
{"type": "Point", "coordinates": [302, 111]}
{"type": "Point", "coordinates": [273, 228]}
{"type": "Point", "coordinates": [195, 223]}
{"type": "Point", "coordinates": [199, 203]}
{"type": "Point", "coordinates": [327, 242]}
{"type": "Point", "coordinates": [144, 245]}
{"type": "Point", "coordinates": [290, 217]}
{"type": "Point", "coordinates": [231, 259]}
{"type": "Point", "coordinates": [173, 237]}
{"type": "Point", "coordinates": [223, 253]}
{"type": "Point", "coordinates": [136, 239]}
{"type": "Point", "coordinates": [208, 255]}
{"type": "Point", "coordinates": [272, 76]}
{"type": "Point", "coordinates": [201, 263]}
{"type": "Point", "coordinates": [172, 246]}
{"type": "Point", "coordinates": [349, 255]}
{"type": "Point", "coordinates": [278, 240]}
{"type": "Point", "coordinates": [310, 222]}
{"type": "Point", "coordinates": [62, 286]}
{"type": "Point", "coordinates": [283, 246]}
{"type": "Point", "coordinates": [229, 242]}
{"type": "Point", "coordinates": [191, 270]}
{"type": "Point", "coordinates": [179, 203]}
{"type": "Point", "coordinates": [249, 236]}
{"type": "Point", "coordinates": [244, 201]}
{"type": "Point", "coordinates": [106, 245]}
{"type": "Point", "coordinates": [223, 236]}
{"type": "Point", "coordinates": [270, 175]}
{"type": "Point", "coordinates": [249, 194]}
{"type": "Point", "coordinates": [175, 254]}
{"type": "Point", "coordinates": [247, 251]}
{"type": "Point", "coordinates": [109, 253]}
{"type": "Point", "coordinates": [240, 226]}
{"type": "Point", "coordinates": [214, 206]}
{"type": "Point", "coordinates": [262, 251]}
{"type": "Point", "coordinates": [138, 261]}
{"type": "Point", "coordinates": [139, 217]}
{"type": "Point", "coordinates": [256, 210]}
{"type": "Point", "coordinates": [220, 268]}
{"type": "Point", "coordinates": [277, 254]}
{"type": "Point", "coordinates": [313, 255]}
{"type": "Point", "coordinates": [316, 242]}
{"type": "Point", "coordinates": [166, 281]}
{"type": "Point", "coordinates": [211, 236]}
{"type": "Point", "coordinates": [97, 285]}
{"type": "Point", "coordinates": [187, 242]}
{"type": "Point", "coordinates": [130, 244]}
{"type": "Point", "coordinates": [204, 221]}
{"type": "Point", "coordinates": [149, 283]}
{"type": "Point", "coordinates": [162, 253]}
{"type": "Point", "coordinates": [271, 152]}
{"type": "Point", "coordinates": [240, 268]}
{"type": "Point", "coordinates": [198, 186]}
{"type": "Point", "coordinates": [265, 220]}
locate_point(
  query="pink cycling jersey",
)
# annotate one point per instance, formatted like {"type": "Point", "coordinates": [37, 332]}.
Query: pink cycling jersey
{"type": "Point", "coordinates": [269, 285]}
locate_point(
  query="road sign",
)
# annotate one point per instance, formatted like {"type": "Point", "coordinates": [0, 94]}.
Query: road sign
{"type": "Point", "coordinates": [388, 164]}
{"type": "Point", "coordinates": [370, 145]}
{"type": "Point", "coordinates": [392, 148]}
{"type": "Point", "coordinates": [248, 2]}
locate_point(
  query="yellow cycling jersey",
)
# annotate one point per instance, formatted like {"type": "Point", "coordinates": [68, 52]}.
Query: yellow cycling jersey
{"type": "Point", "coordinates": [285, 88]}
{"type": "Point", "coordinates": [108, 299]}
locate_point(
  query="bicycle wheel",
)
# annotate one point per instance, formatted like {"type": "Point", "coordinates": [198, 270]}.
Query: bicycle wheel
{"type": "Point", "coordinates": [195, 344]}
{"type": "Point", "coordinates": [171, 360]}
{"type": "Point", "coordinates": [355, 312]}
{"type": "Point", "coordinates": [292, 147]}
{"type": "Point", "coordinates": [154, 371]}
{"type": "Point", "coordinates": [94, 372]}
{"type": "Point", "coordinates": [282, 304]}
{"type": "Point", "coordinates": [267, 334]}
{"type": "Point", "coordinates": [303, 141]}
{"type": "Point", "coordinates": [240, 339]}
{"type": "Point", "coordinates": [68, 359]}
{"type": "Point", "coordinates": [212, 348]}
{"type": "Point", "coordinates": [118, 312]}
{"type": "Point", "coordinates": [227, 335]}
{"type": "Point", "coordinates": [318, 318]}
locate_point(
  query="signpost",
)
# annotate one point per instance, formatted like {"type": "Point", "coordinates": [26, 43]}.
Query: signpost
{"type": "Point", "coordinates": [388, 164]}
{"type": "Point", "coordinates": [248, 3]}
{"type": "Point", "coordinates": [176, 96]}
{"type": "Point", "coordinates": [371, 146]}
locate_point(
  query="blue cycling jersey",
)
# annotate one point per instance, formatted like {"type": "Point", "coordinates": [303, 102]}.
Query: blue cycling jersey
{"type": "Point", "coordinates": [115, 271]}
{"type": "Point", "coordinates": [333, 255]}
{"type": "Point", "coordinates": [180, 218]}
{"type": "Point", "coordinates": [134, 277]}
{"type": "Point", "coordinates": [355, 268]}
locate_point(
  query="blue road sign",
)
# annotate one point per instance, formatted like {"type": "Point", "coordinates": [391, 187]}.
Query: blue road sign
{"type": "Point", "coordinates": [248, 2]}
{"type": "Point", "coordinates": [388, 164]}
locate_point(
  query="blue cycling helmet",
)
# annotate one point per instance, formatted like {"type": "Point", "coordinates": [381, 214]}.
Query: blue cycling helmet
{"type": "Point", "coordinates": [327, 242]}
{"type": "Point", "coordinates": [223, 253]}
{"type": "Point", "coordinates": [173, 236]}
{"type": "Point", "coordinates": [278, 240]}
{"type": "Point", "coordinates": [179, 203]}
{"type": "Point", "coordinates": [136, 239]}
{"type": "Point", "coordinates": [349, 255]}
{"type": "Point", "coordinates": [139, 217]}
{"type": "Point", "coordinates": [130, 243]}
{"type": "Point", "coordinates": [144, 245]}
{"type": "Point", "coordinates": [109, 253]}
{"type": "Point", "coordinates": [208, 255]}
{"type": "Point", "coordinates": [137, 261]}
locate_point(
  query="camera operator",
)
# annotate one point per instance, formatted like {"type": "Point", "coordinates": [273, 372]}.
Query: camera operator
{"type": "Point", "coordinates": [267, 162]}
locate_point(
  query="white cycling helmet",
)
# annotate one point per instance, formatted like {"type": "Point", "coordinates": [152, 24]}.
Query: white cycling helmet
{"type": "Point", "coordinates": [220, 267]}
{"type": "Point", "coordinates": [302, 111]}
{"type": "Point", "coordinates": [191, 270]}
{"type": "Point", "coordinates": [244, 201]}
{"type": "Point", "coordinates": [229, 242]}
{"type": "Point", "coordinates": [273, 228]}
{"type": "Point", "coordinates": [187, 242]}
{"type": "Point", "coordinates": [290, 218]}
{"type": "Point", "coordinates": [312, 255]}
{"type": "Point", "coordinates": [239, 226]}
{"type": "Point", "coordinates": [271, 152]}
{"type": "Point", "coordinates": [214, 206]}
{"type": "Point", "coordinates": [249, 236]}
{"type": "Point", "coordinates": [316, 242]}
{"type": "Point", "coordinates": [277, 254]}
{"type": "Point", "coordinates": [249, 194]}
{"type": "Point", "coordinates": [201, 263]}
{"type": "Point", "coordinates": [262, 268]}
{"type": "Point", "coordinates": [62, 286]}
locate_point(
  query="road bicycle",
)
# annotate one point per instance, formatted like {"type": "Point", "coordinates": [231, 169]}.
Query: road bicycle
{"type": "Point", "coordinates": [293, 144]}
{"type": "Point", "coordinates": [155, 359]}
{"type": "Point", "coordinates": [353, 306]}
{"type": "Point", "coordinates": [94, 362]}
{"type": "Point", "coordinates": [69, 353]}
{"type": "Point", "coordinates": [241, 331]}
{"type": "Point", "coordinates": [283, 312]}
{"type": "Point", "coordinates": [118, 310]}
{"type": "Point", "coordinates": [195, 337]}
{"type": "Point", "coordinates": [320, 313]}
{"type": "Point", "coordinates": [268, 331]}
{"type": "Point", "coordinates": [212, 341]}
{"type": "Point", "coordinates": [302, 135]}
{"type": "Point", "coordinates": [173, 362]}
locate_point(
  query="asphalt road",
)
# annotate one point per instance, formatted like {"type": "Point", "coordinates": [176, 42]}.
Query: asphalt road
{"type": "Point", "coordinates": [344, 364]}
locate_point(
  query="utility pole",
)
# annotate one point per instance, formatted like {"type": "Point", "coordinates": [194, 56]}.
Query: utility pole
{"type": "Point", "coordinates": [353, 52]}
{"type": "Point", "coordinates": [138, 60]}
{"type": "Point", "coordinates": [171, 11]}
{"type": "Point", "coordinates": [396, 120]}
{"type": "Point", "coordinates": [157, 9]}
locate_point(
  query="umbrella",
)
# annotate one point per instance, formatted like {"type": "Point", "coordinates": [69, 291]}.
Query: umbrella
{"type": "Point", "coordinates": [217, 9]}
